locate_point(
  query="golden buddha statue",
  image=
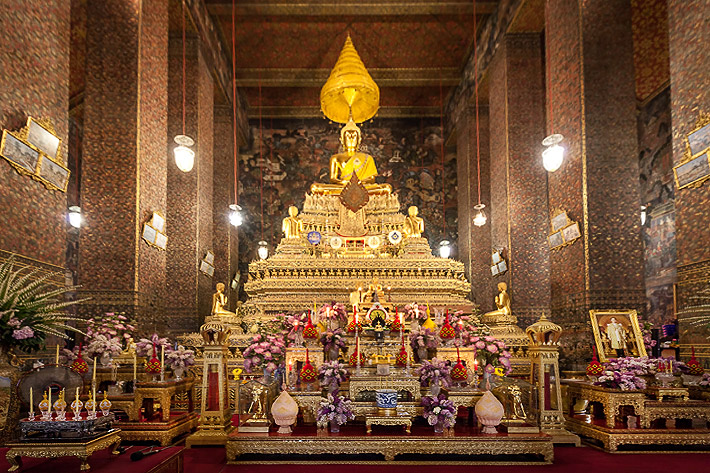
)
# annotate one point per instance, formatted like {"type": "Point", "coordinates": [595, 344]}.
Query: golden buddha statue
{"type": "Point", "coordinates": [374, 292]}
{"type": "Point", "coordinates": [219, 300]}
{"type": "Point", "coordinates": [502, 301]}
{"type": "Point", "coordinates": [292, 225]}
{"type": "Point", "coordinates": [413, 225]}
{"type": "Point", "coordinates": [351, 160]}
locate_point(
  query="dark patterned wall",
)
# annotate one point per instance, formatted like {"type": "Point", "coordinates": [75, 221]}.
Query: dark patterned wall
{"type": "Point", "coordinates": [658, 193]}
{"type": "Point", "coordinates": [296, 153]}
{"type": "Point", "coordinates": [519, 211]}
{"type": "Point", "coordinates": [34, 59]}
{"type": "Point", "coordinates": [690, 63]}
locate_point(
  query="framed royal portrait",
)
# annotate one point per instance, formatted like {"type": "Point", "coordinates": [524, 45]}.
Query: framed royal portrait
{"type": "Point", "coordinates": [699, 140]}
{"type": "Point", "coordinates": [695, 170]}
{"type": "Point", "coordinates": [617, 334]}
{"type": "Point", "coordinates": [555, 240]}
{"type": "Point", "coordinates": [43, 139]}
{"type": "Point", "coordinates": [19, 154]}
{"type": "Point", "coordinates": [571, 233]}
{"type": "Point", "coordinates": [206, 268]}
{"type": "Point", "coordinates": [53, 174]}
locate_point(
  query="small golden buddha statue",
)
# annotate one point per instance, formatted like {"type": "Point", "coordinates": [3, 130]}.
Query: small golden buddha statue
{"type": "Point", "coordinates": [351, 160]}
{"type": "Point", "coordinates": [219, 300]}
{"type": "Point", "coordinates": [374, 292]}
{"type": "Point", "coordinates": [502, 301]}
{"type": "Point", "coordinates": [413, 225]}
{"type": "Point", "coordinates": [292, 225]}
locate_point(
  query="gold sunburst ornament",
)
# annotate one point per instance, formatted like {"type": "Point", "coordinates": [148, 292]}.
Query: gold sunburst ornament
{"type": "Point", "coordinates": [349, 89]}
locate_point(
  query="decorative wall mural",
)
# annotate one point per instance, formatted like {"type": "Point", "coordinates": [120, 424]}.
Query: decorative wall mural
{"type": "Point", "coordinates": [295, 153]}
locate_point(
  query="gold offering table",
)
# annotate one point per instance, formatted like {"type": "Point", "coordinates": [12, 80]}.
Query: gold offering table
{"type": "Point", "coordinates": [421, 446]}
{"type": "Point", "coordinates": [63, 448]}
{"type": "Point", "coordinates": [147, 398]}
{"type": "Point", "coordinates": [395, 419]}
{"type": "Point", "coordinates": [615, 432]}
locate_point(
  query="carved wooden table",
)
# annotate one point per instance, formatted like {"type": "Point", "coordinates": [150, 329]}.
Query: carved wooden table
{"type": "Point", "coordinates": [163, 392]}
{"type": "Point", "coordinates": [610, 399]}
{"type": "Point", "coordinates": [674, 410]}
{"type": "Point", "coordinates": [398, 419]}
{"type": "Point", "coordinates": [659, 392]}
{"type": "Point", "coordinates": [64, 448]}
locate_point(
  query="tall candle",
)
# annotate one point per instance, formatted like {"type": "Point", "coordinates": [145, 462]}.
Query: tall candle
{"type": "Point", "coordinates": [49, 390]}
{"type": "Point", "coordinates": [56, 359]}
{"type": "Point", "coordinates": [135, 366]}
{"type": "Point", "coordinates": [93, 410]}
{"type": "Point", "coordinates": [32, 404]}
{"type": "Point", "coordinates": [94, 376]}
{"type": "Point", "coordinates": [162, 359]}
{"type": "Point", "coordinates": [76, 395]}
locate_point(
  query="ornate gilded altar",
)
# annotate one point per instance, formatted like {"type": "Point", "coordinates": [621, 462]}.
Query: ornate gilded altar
{"type": "Point", "coordinates": [68, 448]}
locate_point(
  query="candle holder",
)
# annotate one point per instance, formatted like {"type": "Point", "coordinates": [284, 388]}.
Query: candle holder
{"type": "Point", "coordinates": [90, 407]}
{"type": "Point", "coordinates": [45, 408]}
{"type": "Point", "coordinates": [76, 407]}
{"type": "Point", "coordinates": [105, 405]}
{"type": "Point", "coordinates": [60, 407]}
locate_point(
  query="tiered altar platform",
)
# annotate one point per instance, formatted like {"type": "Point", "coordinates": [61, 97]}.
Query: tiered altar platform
{"type": "Point", "coordinates": [464, 445]}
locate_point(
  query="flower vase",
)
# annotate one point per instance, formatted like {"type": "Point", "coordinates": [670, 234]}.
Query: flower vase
{"type": "Point", "coordinates": [333, 353]}
{"type": "Point", "coordinates": [178, 372]}
{"type": "Point", "coordinates": [439, 427]}
{"type": "Point", "coordinates": [105, 360]}
{"type": "Point", "coordinates": [422, 353]}
{"type": "Point", "coordinates": [334, 427]}
{"type": "Point", "coordinates": [267, 376]}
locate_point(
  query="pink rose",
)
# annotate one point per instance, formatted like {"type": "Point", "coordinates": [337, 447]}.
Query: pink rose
{"type": "Point", "coordinates": [492, 348]}
{"type": "Point", "coordinates": [480, 345]}
{"type": "Point", "coordinates": [488, 338]}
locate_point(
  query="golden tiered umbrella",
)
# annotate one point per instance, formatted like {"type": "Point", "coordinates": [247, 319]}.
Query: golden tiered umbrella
{"type": "Point", "coordinates": [349, 89]}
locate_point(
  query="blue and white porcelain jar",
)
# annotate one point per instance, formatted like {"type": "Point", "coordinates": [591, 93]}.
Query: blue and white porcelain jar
{"type": "Point", "coordinates": [386, 398]}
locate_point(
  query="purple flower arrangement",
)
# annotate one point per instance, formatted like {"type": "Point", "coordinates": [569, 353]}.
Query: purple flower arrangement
{"type": "Point", "coordinates": [332, 374]}
{"type": "Point", "coordinates": [100, 344]}
{"type": "Point", "coordinates": [180, 358]}
{"type": "Point", "coordinates": [331, 339]}
{"type": "Point", "coordinates": [266, 352]}
{"type": "Point", "coordinates": [423, 338]}
{"type": "Point", "coordinates": [414, 311]}
{"type": "Point", "coordinates": [623, 380]}
{"type": "Point", "coordinates": [334, 408]}
{"type": "Point", "coordinates": [705, 380]}
{"type": "Point", "coordinates": [439, 409]}
{"type": "Point", "coordinates": [431, 372]}
{"type": "Point", "coordinates": [491, 353]}
{"type": "Point", "coordinates": [626, 373]}
{"type": "Point", "coordinates": [111, 325]}
{"type": "Point", "coordinates": [144, 347]}
{"type": "Point", "coordinates": [293, 324]}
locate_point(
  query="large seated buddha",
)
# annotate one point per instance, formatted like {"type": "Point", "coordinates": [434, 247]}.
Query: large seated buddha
{"type": "Point", "coordinates": [351, 160]}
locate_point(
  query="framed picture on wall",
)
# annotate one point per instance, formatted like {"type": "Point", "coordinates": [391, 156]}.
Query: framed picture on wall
{"type": "Point", "coordinates": [54, 174]}
{"type": "Point", "coordinates": [559, 221]}
{"type": "Point", "coordinates": [18, 153]}
{"type": "Point", "coordinates": [699, 140]}
{"type": "Point", "coordinates": [161, 240]}
{"type": "Point", "coordinates": [42, 138]}
{"type": "Point", "coordinates": [617, 334]}
{"type": "Point", "coordinates": [571, 233]}
{"type": "Point", "coordinates": [695, 170]}
{"type": "Point", "coordinates": [556, 240]}
{"type": "Point", "coordinates": [209, 257]}
{"type": "Point", "coordinates": [149, 234]}
{"type": "Point", "coordinates": [158, 222]}
{"type": "Point", "coordinates": [206, 268]}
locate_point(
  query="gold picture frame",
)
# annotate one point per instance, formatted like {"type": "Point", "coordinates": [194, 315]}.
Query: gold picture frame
{"type": "Point", "coordinates": [559, 220]}
{"type": "Point", "coordinates": [41, 135]}
{"type": "Point", "coordinates": [694, 167]}
{"type": "Point", "coordinates": [21, 155]}
{"type": "Point", "coordinates": [52, 174]}
{"type": "Point", "coordinates": [617, 333]}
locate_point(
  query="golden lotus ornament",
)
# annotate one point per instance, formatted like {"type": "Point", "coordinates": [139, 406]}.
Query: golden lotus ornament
{"type": "Point", "coordinates": [350, 89]}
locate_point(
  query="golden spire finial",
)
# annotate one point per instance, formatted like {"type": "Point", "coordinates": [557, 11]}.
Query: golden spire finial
{"type": "Point", "coordinates": [349, 91]}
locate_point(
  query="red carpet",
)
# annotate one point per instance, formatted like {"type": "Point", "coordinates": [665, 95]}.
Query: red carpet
{"type": "Point", "coordinates": [567, 459]}
{"type": "Point", "coordinates": [212, 460]}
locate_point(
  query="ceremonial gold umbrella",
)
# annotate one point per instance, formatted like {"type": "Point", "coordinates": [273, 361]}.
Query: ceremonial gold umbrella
{"type": "Point", "coordinates": [349, 89]}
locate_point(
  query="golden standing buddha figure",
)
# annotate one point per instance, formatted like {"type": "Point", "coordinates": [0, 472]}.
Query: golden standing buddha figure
{"type": "Point", "coordinates": [292, 225]}
{"type": "Point", "coordinates": [413, 225]}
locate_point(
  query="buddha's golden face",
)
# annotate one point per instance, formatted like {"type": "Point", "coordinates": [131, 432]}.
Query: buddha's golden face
{"type": "Point", "coordinates": [351, 139]}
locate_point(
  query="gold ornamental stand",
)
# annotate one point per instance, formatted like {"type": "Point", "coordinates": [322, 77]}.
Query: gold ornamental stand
{"type": "Point", "coordinates": [82, 450]}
